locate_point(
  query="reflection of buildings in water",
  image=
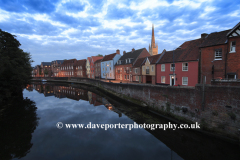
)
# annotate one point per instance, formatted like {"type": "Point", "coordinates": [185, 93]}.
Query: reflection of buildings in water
{"type": "Point", "coordinates": [61, 91]}
{"type": "Point", "coordinates": [109, 106]}
{"type": "Point", "coordinates": [29, 87]}
{"type": "Point", "coordinates": [90, 97]}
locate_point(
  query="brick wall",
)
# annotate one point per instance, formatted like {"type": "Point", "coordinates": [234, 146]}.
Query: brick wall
{"type": "Point", "coordinates": [208, 60]}
{"type": "Point", "coordinates": [233, 65]}
{"type": "Point", "coordinates": [221, 110]}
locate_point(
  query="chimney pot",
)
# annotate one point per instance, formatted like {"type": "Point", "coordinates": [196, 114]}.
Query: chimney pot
{"type": "Point", "coordinates": [118, 51]}
{"type": "Point", "coordinates": [124, 52]}
{"type": "Point", "coordinates": [133, 50]}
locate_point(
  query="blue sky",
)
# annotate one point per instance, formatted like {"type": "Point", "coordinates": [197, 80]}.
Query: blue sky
{"type": "Point", "coordinates": [65, 29]}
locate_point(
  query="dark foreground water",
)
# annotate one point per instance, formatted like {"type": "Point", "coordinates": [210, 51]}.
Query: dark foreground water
{"type": "Point", "coordinates": [31, 133]}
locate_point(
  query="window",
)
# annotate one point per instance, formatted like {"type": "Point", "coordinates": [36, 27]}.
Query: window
{"type": "Point", "coordinates": [127, 76]}
{"type": "Point", "coordinates": [137, 78]}
{"type": "Point", "coordinates": [110, 63]}
{"type": "Point", "coordinates": [233, 47]}
{"type": "Point", "coordinates": [172, 68]}
{"type": "Point", "coordinates": [152, 68]}
{"type": "Point", "coordinates": [218, 54]}
{"type": "Point", "coordinates": [105, 68]}
{"type": "Point", "coordinates": [147, 70]}
{"type": "Point", "coordinates": [162, 79]}
{"type": "Point", "coordinates": [184, 80]}
{"type": "Point", "coordinates": [126, 60]}
{"type": "Point", "coordinates": [130, 69]}
{"type": "Point", "coordinates": [136, 70]}
{"type": "Point", "coordinates": [110, 74]}
{"type": "Point", "coordinates": [163, 67]}
{"type": "Point", "coordinates": [143, 68]}
{"type": "Point", "coordinates": [110, 68]}
{"type": "Point", "coordinates": [184, 66]}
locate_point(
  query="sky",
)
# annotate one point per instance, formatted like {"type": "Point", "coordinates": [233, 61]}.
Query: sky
{"type": "Point", "coordinates": [66, 29]}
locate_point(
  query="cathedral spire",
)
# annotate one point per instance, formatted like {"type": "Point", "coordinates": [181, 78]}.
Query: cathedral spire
{"type": "Point", "coordinates": [153, 50]}
{"type": "Point", "coordinates": [153, 38]}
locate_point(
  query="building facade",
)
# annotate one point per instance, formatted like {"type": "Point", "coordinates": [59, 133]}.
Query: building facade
{"type": "Point", "coordinates": [97, 69]}
{"type": "Point", "coordinates": [149, 69]}
{"type": "Point", "coordinates": [180, 66]}
{"type": "Point", "coordinates": [108, 65]}
{"type": "Point", "coordinates": [123, 68]}
{"type": "Point", "coordinates": [137, 70]}
{"type": "Point", "coordinates": [68, 68]}
{"type": "Point", "coordinates": [80, 68]}
{"type": "Point", "coordinates": [55, 66]}
{"type": "Point", "coordinates": [46, 70]}
{"type": "Point", "coordinates": [92, 66]}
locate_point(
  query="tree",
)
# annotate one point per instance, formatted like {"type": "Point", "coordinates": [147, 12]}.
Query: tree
{"type": "Point", "coordinates": [15, 64]}
{"type": "Point", "coordinates": [100, 55]}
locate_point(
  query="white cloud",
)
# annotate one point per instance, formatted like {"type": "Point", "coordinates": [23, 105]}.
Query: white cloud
{"type": "Point", "coordinates": [206, 12]}
{"type": "Point", "coordinates": [4, 15]}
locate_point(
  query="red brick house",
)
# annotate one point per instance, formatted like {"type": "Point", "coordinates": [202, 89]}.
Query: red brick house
{"type": "Point", "coordinates": [68, 68]}
{"type": "Point", "coordinates": [92, 66]}
{"type": "Point", "coordinates": [97, 69]}
{"type": "Point", "coordinates": [233, 54]}
{"type": "Point", "coordinates": [220, 55]}
{"type": "Point", "coordinates": [80, 68]}
{"type": "Point", "coordinates": [123, 68]}
{"type": "Point", "coordinates": [46, 70]}
{"type": "Point", "coordinates": [55, 66]}
{"type": "Point", "coordinates": [137, 70]}
{"type": "Point", "coordinates": [180, 66]}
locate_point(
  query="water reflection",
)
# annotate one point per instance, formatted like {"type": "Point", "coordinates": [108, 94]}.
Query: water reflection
{"type": "Point", "coordinates": [81, 104]}
{"type": "Point", "coordinates": [18, 120]}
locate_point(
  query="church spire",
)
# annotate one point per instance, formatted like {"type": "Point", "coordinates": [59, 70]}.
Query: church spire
{"type": "Point", "coordinates": [153, 38]}
{"type": "Point", "coordinates": [153, 50]}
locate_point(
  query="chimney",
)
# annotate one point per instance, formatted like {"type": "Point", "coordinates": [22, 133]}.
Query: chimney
{"type": "Point", "coordinates": [117, 51]}
{"type": "Point", "coordinates": [124, 52]}
{"type": "Point", "coordinates": [133, 50]}
{"type": "Point", "coordinates": [203, 35]}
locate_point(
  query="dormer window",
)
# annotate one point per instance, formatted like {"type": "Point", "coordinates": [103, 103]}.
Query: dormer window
{"type": "Point", "coordinates": [126, 60]}
{"type": "Point", "coordinates": [119, 62]}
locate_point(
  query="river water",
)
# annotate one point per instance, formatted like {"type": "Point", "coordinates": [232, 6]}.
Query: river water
{"type": "Point", "coordinates": [76, 104]}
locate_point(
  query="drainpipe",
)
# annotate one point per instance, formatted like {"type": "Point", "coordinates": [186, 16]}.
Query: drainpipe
{"type": "Point", "coordinates": [226, 61]}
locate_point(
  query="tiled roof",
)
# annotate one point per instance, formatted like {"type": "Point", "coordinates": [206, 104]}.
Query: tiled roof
{"type": "Point", "coordinates": [81, 62]}
{"type": "Point", "coordinates": [154, 59]}
{"type": "Point", "coordinates": [139, 62]}
{"type": "Point", "coordinates": [46, 63]}
{"type": "Point", "coordinates": [58, 61]}
{"type": "Point", "coordinates": [133, 55]}
{"type": "Point", "coordinates": [215, 38]}
{"type": "Point", "coordinates": [97, 61]}
{"type": "Point", "coordinates": [69, 61]}
{"type": "Point", "coordinates": [189, 53]}
{"type": "Point", "coordinates": [108, 57]}
{"type": "Point", "coordinates": [94, 58]}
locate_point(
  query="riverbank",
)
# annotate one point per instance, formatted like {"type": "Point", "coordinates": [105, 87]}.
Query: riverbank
{"type": "Point", "coordinates": [169, 103]}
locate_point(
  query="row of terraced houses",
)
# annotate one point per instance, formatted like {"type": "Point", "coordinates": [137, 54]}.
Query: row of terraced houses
{"type": "Point", "coordinates": [213, 56]}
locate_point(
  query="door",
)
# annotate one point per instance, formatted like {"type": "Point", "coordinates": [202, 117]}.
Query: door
{"type": "Point", "coordinates": [172, 80]}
